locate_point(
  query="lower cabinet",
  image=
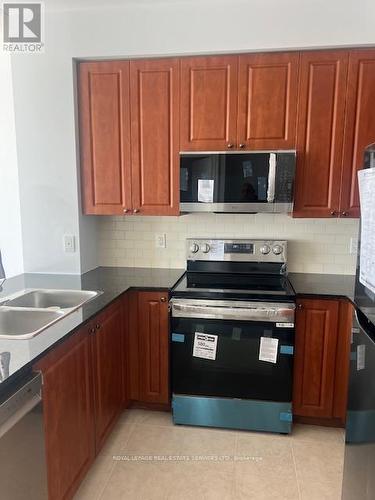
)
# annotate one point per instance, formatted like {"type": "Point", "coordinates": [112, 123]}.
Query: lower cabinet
{"type": "Point", "coordinates": [321, 363]}
{"type": "Point", "coordinates": [148, 348]}
{"type": "Point", "coordinates": [82, 396]}
{"type": "Point", "coordinates": [68, 414]}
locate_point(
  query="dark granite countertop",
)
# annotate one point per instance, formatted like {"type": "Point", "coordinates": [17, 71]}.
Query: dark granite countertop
{"type": "Point", "coordinates": [324, 285]}
{"type": "Point", "coordinates": [112, 281]}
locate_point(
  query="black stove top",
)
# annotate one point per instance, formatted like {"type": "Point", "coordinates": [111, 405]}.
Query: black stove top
{"type": "Point", "coordinates": [234, 286]}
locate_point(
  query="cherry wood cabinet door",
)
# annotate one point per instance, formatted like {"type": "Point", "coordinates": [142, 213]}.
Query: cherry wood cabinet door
{"type": "Point", "coordinates": [68, 414]}
{"type": "Point", "coordinates": [315, 357]}
{"type": "Point", "coordinates": [360, 125]}
{"type": "Point", "coordinates": [108, 365]}
{"type": "Point", "coordinates": [153, 347]}
{"type": "Point", "coordinates": [103, 91]}
{"type": "Point", "coordinates": [320, 129]}
{"type": "Point", "coordinates": [208, 103]}
{"type": "Point", "coordinates": [267, 96]}
{"type": "Point", "coordinates": [155, 91]}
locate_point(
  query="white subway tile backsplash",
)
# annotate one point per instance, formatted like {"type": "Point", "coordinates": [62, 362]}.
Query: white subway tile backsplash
{"type": "Point", "coordinates": [315, 245]}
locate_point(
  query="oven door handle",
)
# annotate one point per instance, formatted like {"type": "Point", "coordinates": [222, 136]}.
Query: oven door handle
{"type": "Point", "coordinates": [282, 315]}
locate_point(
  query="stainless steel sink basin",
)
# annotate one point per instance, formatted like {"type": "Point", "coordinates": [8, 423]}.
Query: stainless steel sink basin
{"type": "Point", "coordinates": [25, 323]}
{"type": "Point", "coordinates": [44, 299]}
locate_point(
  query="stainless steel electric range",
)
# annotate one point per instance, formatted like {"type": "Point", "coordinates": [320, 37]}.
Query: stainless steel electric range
{"type": "Point", "coordinates": [232, 336]}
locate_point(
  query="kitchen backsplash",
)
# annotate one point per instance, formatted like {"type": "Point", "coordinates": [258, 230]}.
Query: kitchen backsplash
{"type": "Point", "coordinates": [315, 245]}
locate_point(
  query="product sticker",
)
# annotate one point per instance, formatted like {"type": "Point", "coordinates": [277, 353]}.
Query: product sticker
{"type": "Point", "coordinates": [285, 325]}
{"type": "Point", "coordinates": [206, 190]}
{"type": "Point", "coordinates": [268, 349]}
{"type": "Point", "coordinates": [361, 357]}
{"type": "Point", "coordinates": [247, 168]}
{"type": "Point", "coordinates": [216, 250]}
{"type": "Point", "coordinates": [205, 346]}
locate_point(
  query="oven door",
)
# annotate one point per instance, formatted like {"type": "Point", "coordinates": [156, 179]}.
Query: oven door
{"type": "Point", "coordinates": [237, 182]}
{"type": "Point", "coordinates": [234, 367]}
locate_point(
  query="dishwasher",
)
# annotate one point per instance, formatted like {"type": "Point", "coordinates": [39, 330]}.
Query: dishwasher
{"type": "Point", "coordinates": [22, 453]}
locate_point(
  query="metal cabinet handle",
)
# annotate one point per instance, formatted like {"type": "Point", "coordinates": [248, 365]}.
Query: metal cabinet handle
{"type": "Point", "coordinates": [344, 213]}
{"type": "Point", "coordinates": [92, 330]}
{"type": "Point", "coordinates": [136, 210]}
{"type": "Point", "coordinates": [126, 210]}
{"type": "Point", "coordinates": [230, 145]}
{"type": "Point", "coordinates": [163, 299]}
{"type": "Point", "coordinates": [241, 145]}
{"type": "Point", "coordinates": [333, 213]}
{"type": "Point", "coordinates": [98, 326]}
{"type": "Point", "coordinates": [300, 306]}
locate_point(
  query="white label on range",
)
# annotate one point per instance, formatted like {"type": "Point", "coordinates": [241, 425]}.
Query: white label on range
{"type": "Point", "coordinates": [205, 346]}
{"type": "Point", "coordinates": [268, 349]}
{"type": "Point", "coordinates": [361, 357]}
{"type": "Point", "coordinates": [285, 325]}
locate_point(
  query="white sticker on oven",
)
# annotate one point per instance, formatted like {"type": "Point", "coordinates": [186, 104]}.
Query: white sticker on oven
{"type": "Point", "coordinates": [285, 325]}
{"type": "Point", "coordinates": [205, 346]}
{"type": "Point", "coordinates": [206, 190]}
{"type": "Point", "coordinates": [361, 357]}
{"type": "Point", "coordinates": [268, 349]}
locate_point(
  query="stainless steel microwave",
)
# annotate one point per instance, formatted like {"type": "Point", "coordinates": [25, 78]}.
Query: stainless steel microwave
{"type": "Point", "coordinates": [238, 182]}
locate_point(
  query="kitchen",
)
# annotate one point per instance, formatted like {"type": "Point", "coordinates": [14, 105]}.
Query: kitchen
{"type": "Point", "coordinates": [101, 132]}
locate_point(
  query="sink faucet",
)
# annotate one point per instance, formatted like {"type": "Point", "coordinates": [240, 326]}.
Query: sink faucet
{"type": "Point", "coordinates": [2, 273]}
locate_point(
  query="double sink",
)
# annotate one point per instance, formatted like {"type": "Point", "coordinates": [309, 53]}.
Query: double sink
{"type": "Point", "coordinates": [30, 312]}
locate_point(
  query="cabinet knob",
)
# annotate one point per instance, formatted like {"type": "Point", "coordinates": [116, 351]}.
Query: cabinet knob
{"type": "Point", "coordinates": [230, 145]}
{"type": "Point", "coordinates": [299, 306]}
{"type": "Point", "coordinates": [163, 299]}
{"type": "Point", "coordinates": [97, 326]}
{"type": "Point", "coordinates": [344, 213]}
{"type": "Point", "coordinates": [136, 210]}
{"type": "Point", "coordinates": [333, 213]}
{"type": "Point", "coordinates": [126, 210]}
{"type": "Point", "coordinates": [92, 330]}
{"type": "Point", "coordinates": [242, 145]}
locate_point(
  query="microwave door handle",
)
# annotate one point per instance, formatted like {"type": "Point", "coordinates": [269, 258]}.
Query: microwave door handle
{"type": "Point", "coordinates": [271, 178]}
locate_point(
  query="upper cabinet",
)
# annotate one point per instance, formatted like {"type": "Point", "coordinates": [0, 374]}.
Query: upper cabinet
{"type": "Point", "coordinates": [236, 102]}
{"type": "Point", "coordinates": [335, 124]}
{"type": "Point", "coordinates": [360, 124]}
{"type": "Point", "coordinates": [154, 95]}
{"type": "Point", "coordinates": [267, 100]}
{"type": "Point", "coordinates": [129, 125]}
{"type": "Point", "coordinates": [320, 131]}
{"type": "Point", "coordinates": [104, 107]}
{"type": "Point", "coordinates": [208, 103]}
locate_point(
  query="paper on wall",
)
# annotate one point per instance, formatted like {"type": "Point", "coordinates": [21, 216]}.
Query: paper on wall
{"type": "Point", "coordinates": [205, 346]}
{"type": "Point", "coordinates": [206, 190]}
{"type": "Point", "coordinates": [366, 179]}
{"type": "Point", "coordinates": [268, 349]}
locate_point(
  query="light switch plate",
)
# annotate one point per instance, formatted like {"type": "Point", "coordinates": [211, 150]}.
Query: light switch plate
{"type": "Point", "coordinates": [69, 243]}
{"type": "Point", "coordinates": [161, 240]}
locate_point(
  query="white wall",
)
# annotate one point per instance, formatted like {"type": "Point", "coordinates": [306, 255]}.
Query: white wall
{"type": "Point", "coordinates": [43, 86]}
{"type": "Point", "coordinates": [10, 216]}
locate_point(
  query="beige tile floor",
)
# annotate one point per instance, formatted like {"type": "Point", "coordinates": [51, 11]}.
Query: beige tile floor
{"type": "Point", "coordinates": [305, 465]}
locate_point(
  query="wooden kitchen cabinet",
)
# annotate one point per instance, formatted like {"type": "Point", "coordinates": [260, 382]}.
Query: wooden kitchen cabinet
{"type": "Point", "coordinates": [149, 348]}
{"type": "Point", "coordinates": [129, 136]}
{"type": "Point", "coordinates": [246, 101]}
{"type": "Point", "coordinates": [68, 414]}
{"type": "Point", "coordinates": [321, 364]}
{"type": "Point", "coordinates": [104, 109]}
{"type": "Point", "coordinates": [108, 366]}
{"type": "Point", "coordinates": [155, 165]}
{"type": "Point", "coordinates": [359, 125]}
{"type": "Point", "coordinates": [320, 129]}
{"type": "Point", "coordinates": [208, 103]}
{"type": "Point", "coordinates": [267, 100]}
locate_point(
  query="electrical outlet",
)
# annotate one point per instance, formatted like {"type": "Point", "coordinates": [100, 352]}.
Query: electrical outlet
{"type": "Point", "coordinates": [353, 245]}
{"type": "Point", "coordinates": [69, 243]}
{"type": "Point", "coordinates": [161, 240]}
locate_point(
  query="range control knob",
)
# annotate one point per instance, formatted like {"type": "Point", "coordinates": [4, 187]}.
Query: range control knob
{"type": "Point", "coordinates": [277, 249]}
{"type": "Point", "coordinates": [194, 247]}
{"type": "Point", "coordinates": [265, 249]}
{"type": "Point", "coordinates": [206, 248]}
